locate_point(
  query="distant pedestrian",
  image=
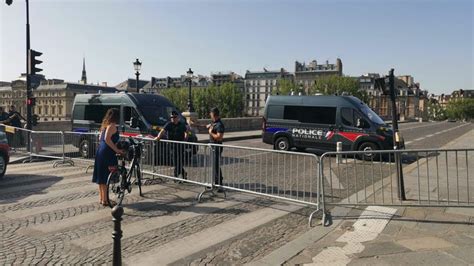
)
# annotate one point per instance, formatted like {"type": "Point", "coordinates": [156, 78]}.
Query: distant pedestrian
{"type": "Point", "coordinates": [4, 116]}
{"type": "Point", "coordinates": [14, 119]}
{"type": "Point", "coordinates": [216, 136]}
{"type": "Point", "coordinates": [176, 131]}
{"type": "Point", "coordinates": [106, 156]}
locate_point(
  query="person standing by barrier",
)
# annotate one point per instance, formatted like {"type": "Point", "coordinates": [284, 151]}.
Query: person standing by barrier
{"type": "Point", "coordinates": [216, 136]}
{"type": "Point", "coordinates": [4, 116]}
{"type": "Point", "coordinates": [15, 121]}
{"type": "Point", "coordinates": [177, 131]}
{"type": "Point", "coordinates": [106, 156]}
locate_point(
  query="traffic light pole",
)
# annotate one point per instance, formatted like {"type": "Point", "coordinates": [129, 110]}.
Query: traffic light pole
{"type": "Point", "coordinates": [28, 69]}
{"type": "Point", "coordinates": [396, 138]}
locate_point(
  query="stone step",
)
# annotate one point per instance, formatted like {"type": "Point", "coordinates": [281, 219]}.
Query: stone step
{"type": "Point", "coordinates": [189, 210]}
{"type": "Point", "coordinates": [183, 247]}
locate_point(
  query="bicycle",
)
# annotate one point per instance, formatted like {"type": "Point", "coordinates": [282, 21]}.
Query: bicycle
{"type": "Point", "coordinates": [120, 179]}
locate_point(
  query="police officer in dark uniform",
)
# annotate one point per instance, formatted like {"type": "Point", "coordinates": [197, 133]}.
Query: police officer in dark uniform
{"type": "Point", "coordinates": [15, 118]}
{"type": "Point", "coordinates": [177, 131]}
{"type": "Point", "coordinates": [216, 136]}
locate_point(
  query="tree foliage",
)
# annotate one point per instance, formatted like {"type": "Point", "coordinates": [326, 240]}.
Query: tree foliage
{"type": "Point", "coordinates": [338, 85]}
{"type": "Point", "coordinates": [286, 87]}
{"type": "Point", "coordinates": [436, 111]}
{"type": "Point", "coordinates": [461, 109]}
{"type": "Point", "coordinates": [227, 98]}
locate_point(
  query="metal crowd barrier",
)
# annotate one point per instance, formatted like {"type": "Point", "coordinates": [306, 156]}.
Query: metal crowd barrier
{"type": "Point", "coordinates": [191, 161]}
{"type": "Point", "coordinates": [289, 176]}
{"type": "Point", "coordinates": [18, 140]}
{"type": "Point", "coordinates": [432, 178]}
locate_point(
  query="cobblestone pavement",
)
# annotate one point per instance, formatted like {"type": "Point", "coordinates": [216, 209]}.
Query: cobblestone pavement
{"type": "Point", "coordinates": [51, 216]}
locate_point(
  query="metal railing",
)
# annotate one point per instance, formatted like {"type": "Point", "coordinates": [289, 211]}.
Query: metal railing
{"type": "Point", "coordinates": [432, 178]}
{"type": "Point", "coordinates": [281, 175]}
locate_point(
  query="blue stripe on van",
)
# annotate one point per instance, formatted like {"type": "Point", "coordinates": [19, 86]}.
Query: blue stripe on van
{"type": "Point", "coordinates": [275, 129]}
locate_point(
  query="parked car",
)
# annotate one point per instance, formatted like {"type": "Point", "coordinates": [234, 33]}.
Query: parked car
{"type": "Point", "coordinates": [4, 153]}
{"type": "Point", "coordinates": [321, 121]}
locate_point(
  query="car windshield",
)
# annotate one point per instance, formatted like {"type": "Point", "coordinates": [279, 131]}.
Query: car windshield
{"type": "Point", "coordinates": [156, 115]}
{"type": "Point", "coordinates": [374, 117]}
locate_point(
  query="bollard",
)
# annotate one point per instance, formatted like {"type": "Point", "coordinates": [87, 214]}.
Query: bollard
{"type": "Point", "coordinates": [338, 149]}
{"type": "Point", "coordinates": [117, 213]}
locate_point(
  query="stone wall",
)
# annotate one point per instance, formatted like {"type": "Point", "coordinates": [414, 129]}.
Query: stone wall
{"type": "Point", "coordinates": [54, 126]}
{"type": "Point", "coordinates": [235, 124]}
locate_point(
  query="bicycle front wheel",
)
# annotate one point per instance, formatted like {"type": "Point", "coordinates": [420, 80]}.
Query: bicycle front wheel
{"type": "Point", "coordinates": [115, 191]}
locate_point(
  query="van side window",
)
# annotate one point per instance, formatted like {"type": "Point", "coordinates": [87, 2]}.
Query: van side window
{"type": "Point", "coordinates": [78, 112]}
{"type": "Point", "coordinates": [127, 114]}
{"type": "Point", "coordinates": [96, 112]}
{"type": "Point", "coordinates": [350, 118]}
{"type": "Point", "coordinates": [275, 112]}
{"type": "Point", "coordinates": [310, 114]}
{"type": "Point", "coordinates": [347, 117]}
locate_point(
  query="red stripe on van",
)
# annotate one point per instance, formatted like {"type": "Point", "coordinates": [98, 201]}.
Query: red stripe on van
{"type": "Point", "coordinates": [351, 135]}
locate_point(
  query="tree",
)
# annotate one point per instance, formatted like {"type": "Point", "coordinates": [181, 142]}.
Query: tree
{"type": "Point", "coordinates": [461, 109]}
{"type": "Point", "coordinates": [435, 111]}
{"type": "Point", "coordinates": [333, 84]}
{"type": "Point", "coordinates": [286, 86]}
{"type": "Point", "coordinates": [228, 98]}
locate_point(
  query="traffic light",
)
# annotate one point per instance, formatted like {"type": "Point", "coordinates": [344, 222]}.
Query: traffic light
{"type": "Point", "coordinates": [9, 2]}
{"type": "Point", "coordinates": [31, 101]}
{"type": "Point", "coordinates": [34, 62]}
{"type": "Point", "coordinates": [34, 120]}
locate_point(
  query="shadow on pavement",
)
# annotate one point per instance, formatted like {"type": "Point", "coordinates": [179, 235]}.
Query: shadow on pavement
{"type": "Point", "coordinates": [15, 187]}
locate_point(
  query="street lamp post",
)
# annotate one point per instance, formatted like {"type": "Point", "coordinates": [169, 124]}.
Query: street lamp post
{"type": "Point", "coordinates": [137, 65]}
{"type": "Point", "coordinates": [190, 81]}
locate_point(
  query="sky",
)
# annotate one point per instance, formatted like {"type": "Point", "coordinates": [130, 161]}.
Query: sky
{"type": "Point", "coordinates": [430, 40]}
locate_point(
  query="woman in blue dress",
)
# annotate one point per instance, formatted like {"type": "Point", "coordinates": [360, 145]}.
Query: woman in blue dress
{"type": "Point", "coordinates": [106, 153]}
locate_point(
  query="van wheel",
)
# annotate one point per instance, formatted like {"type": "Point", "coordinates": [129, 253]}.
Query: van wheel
{"type": "Point", "coordinates": [368, 146]}
{"type": "Point", "coordinates": [282, 144]}
{"type": "Point", "coordinates": [85, 149]}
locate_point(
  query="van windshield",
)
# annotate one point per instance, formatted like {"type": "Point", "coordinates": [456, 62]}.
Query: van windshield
{"type": "Point", "coordinates": [156, 115]}
{"type": "Point", "coordinates": [374, 117]}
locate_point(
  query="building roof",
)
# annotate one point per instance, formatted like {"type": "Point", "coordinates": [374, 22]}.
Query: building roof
{"type": "Point", "coordinates": [131, 84]}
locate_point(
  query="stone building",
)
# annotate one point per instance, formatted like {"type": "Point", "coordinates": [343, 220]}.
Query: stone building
{"type": "Point", "coordinates": [219, 78]}
{"type": "Point", "coordinates": [306, 74]}
{"type": "Point", "coordinates": [408, 97]}
{"type": "Point", "coordinates": [54, 97]}
{"type": "Point", "coordinates": [155, 85]}
{"type": "Point", "coordinates": [130, 85]}
{"type": "Point", "coordinates": [258, 86]}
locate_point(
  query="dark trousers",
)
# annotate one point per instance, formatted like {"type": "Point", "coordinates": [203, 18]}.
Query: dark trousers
{"type": "Point", "coordinates": [16, 139]}
{"type": "Point", "coordinates": [177, 150]}
{"type": "Point", "coordinates": [216, 164]}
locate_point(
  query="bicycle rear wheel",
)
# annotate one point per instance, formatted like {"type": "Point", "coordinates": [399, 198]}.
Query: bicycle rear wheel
{"type": "Point", "coordinates": [138, 180]}
{"type": "Point", "coordinates": [115, 192]}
